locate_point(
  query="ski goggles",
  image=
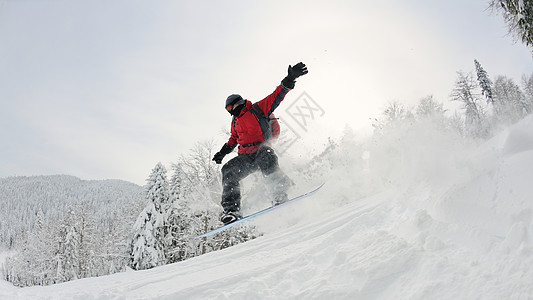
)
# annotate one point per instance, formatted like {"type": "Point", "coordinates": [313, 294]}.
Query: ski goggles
{"type": "Point", "coordinates": [230, 107]}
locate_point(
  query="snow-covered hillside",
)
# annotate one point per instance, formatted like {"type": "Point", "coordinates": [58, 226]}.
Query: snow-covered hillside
{"type": "Point", "coordinates": [448, 220]}
{"type": "Point", "coordinates": [22, 198]}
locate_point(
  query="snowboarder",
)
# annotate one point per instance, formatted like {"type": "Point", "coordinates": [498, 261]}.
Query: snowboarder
{"type": "Point", "coordinates": [251, 129]}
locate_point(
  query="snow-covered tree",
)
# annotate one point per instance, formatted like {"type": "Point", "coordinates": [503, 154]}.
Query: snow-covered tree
{"type": "Point", "coordinates": [428, 107]}
{"type": "Point", "coordinates": [177, 184]}
{"type": "Point", "coordinates": [484, 82]}
{"type": "Point", "coordinates": [518, 14]}
{"type": "Point", "coordinates": [181, 222]}
{"type": "Point", "coordinates": [75, 244]}
{"type": "Point", "coordinates": [66, 228]}
{"type": "Point", "coordinates": [527, 87]}
{"type": "Point", "coordinates": [151, 228]}
{"type": "Point", "coordinates": [196, 187]}
{"type": "Point", "coordinates": [393, 113]}
{"type": "Point", "coordinates": [465, 91]}
{"type": "Point", "coordinates": [35, 261]}
{"type": "Point", "coordinates": [510, 103]}
{"type": "Point", "coordinates": [147, 246]}
{"type": "Point", "coordinates": [70, 249]}
{"type": "Point", "coordinates": [199, 168]}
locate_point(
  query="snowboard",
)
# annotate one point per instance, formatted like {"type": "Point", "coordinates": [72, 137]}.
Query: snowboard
{"type": "Point", "coordinates": [249, 217]}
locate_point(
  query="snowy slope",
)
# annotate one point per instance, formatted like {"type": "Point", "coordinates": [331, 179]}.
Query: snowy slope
{"type": "Point", "coordinates": [22, 197]}
{"type": "Point", "coordinates": [454, 224]}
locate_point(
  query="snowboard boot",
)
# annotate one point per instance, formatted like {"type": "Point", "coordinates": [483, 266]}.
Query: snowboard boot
{"type": "Point", "coordinates": [230, 217]}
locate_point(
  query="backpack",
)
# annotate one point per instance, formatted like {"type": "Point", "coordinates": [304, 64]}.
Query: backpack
{"type": "Point", "coordinates": [269, 124]}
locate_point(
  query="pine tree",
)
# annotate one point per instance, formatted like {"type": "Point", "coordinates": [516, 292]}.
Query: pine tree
{"type": "Point", "coordinates": [151, 228]}
{"type": "Point", "coordinates": [518, 14]}
{"type": "Point", "coordinates": [70, 249]}
{"type": "Point", "coordinates": [484, 82]}
{"type": "Point", "coordinates": [177, 184]}
{"type": "Point", "coordinates": [180, 220]}
{"type": "Point", "coordinates": [147, 250]}
{"type": "Point", "coordinates": [76, 244]}
{"type": "Point", "coordinates": [39, 220]}
{"type": "Point", "coordinates": [182, 225]}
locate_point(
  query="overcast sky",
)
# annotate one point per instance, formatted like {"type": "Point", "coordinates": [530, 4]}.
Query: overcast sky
{"type": "Point", "coordinates": [106, 89]}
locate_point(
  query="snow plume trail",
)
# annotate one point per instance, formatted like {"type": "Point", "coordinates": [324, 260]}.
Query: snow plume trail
{"type": "Point", "coordinates": [414, 213]}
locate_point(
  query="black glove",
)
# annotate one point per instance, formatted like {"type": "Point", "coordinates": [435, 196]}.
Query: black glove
{"type": "Point", "coordinates": [225, 150]}
{"type": "Point", "coordinates": [298, 70]}
{"type": "Point", "coordinates": [218, 157]}
{"type": "Point", "coordinates": [294, 72]}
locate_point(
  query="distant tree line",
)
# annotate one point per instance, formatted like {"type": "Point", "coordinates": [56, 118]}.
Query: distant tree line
{"type": "Point", "coordinates": [62, 228]}
{"type": "Point", "coordinates": [487, 105]}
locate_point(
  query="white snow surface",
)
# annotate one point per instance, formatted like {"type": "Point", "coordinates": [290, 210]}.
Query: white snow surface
{"type": "Point", "coordinates": [456, 222]}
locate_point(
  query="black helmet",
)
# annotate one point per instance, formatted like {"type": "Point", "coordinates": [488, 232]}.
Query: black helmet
{"type": "Point", "coordinates": [234, 99]}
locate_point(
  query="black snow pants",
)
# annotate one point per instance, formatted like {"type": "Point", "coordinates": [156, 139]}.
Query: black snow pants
{"type": "Point", "coordinates": [240, 167]}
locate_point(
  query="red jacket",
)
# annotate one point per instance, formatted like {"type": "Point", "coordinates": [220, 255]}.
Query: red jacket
{"type": "Point", "coordinates": [245, 129]}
